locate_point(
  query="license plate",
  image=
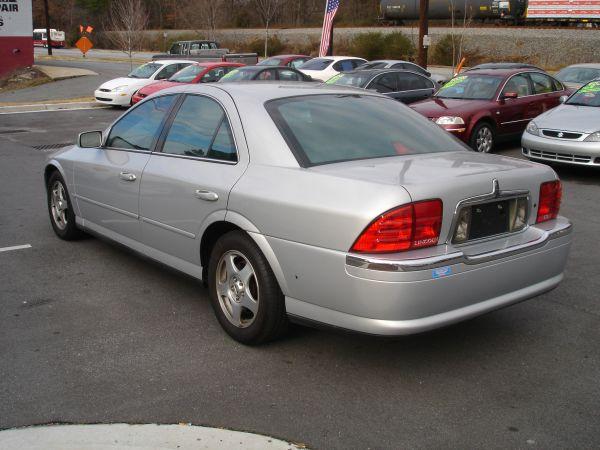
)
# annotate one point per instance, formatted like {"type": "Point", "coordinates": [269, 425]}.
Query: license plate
{"type": "Point", "coordinates": [489, 219]}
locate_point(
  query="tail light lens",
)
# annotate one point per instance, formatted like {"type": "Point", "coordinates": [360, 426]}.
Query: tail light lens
{"type": "Point", "coordinates": [550, 198]}
{"type": "Point", "coordinates": [412, 226]}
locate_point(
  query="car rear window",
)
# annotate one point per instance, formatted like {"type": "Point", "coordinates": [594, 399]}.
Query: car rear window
{"type": "Point", "coordinates": [328, 128]}
{"type": "Point", "coordinates": [316, 64]}
{"type": "Point", "coordinates": [271, 62]}
{"type": "Point", "coordinates": [188, 74]}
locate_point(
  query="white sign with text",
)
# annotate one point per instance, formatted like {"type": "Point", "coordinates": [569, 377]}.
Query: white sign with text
{"type": "Point", "coordinates": [15, 18]}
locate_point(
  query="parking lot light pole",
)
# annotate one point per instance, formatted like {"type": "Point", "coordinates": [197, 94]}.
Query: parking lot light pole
{"type": "Point", "coordinates": [423, 31]}
{"type": "Point", "coordinates": [48, 38]}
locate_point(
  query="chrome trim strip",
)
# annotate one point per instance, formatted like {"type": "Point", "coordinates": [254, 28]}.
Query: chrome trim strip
{"type": "Point", "coordinates": [104, 205]}
{"type": "Point", "coordinates": [515, 121]}
{"type": "Point", "coordinates": [411, 265]}
{"type": "Point", "coordinates": [168, 227]}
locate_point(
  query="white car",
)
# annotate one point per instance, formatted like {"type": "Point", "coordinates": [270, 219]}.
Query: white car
{"type": "Point", "coordinates": [118, 92]}
{"type": "Point", "coordinates": [324, 68]}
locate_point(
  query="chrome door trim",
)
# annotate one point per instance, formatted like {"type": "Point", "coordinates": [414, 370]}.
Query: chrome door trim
{"type": "Point", "coordinates": [109, 207]}
{"type": "Point", "coordinates": [516, 121]}
{"type": "Point", "coordinates": [168, 227]}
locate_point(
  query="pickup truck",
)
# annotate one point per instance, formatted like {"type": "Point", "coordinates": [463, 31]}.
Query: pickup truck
{"type": "Point", "coordinates": [206, 51]}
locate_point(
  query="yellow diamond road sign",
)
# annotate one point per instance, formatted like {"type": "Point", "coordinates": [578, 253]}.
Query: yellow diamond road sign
{"type": "Point", "coordinates": [84, 44]}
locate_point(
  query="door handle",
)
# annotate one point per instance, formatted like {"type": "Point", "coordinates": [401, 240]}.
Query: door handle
{"type": "Point", "coordinates": [207, 195]}
{"type": "Point", "coordinates": [126, 176]}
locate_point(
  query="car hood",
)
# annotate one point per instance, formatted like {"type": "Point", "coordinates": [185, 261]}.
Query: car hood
{"type": "Point", "coordinates": [158, 86]}
{"type": "Point", "coordinates": [125, 81]}
{"type": "Point", "coordinates": [584, 119]}
{"type": "Point", "coordinates": [437, 107]}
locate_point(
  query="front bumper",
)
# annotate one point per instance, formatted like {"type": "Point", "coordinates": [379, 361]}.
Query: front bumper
{"type": "Point", "coordinates": [113, 98]}
{"type": "Point", "coordinates": [567, 151]}
{"type": "Point", "coordinates": [392, 296]}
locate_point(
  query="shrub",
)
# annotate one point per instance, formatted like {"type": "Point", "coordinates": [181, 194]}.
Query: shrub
{"type": "Point", "coordinates": [258, 46]}
{"type": "Point", "coordinates": [442, 51]}
{"type": "Point", "coordinates": [398, 46]}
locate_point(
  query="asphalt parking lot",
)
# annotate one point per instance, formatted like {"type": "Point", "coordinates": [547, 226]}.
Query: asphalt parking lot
{"type": "Point", "coordinates": [92, 333]}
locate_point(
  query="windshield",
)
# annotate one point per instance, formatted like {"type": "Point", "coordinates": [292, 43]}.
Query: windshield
{"type": "Point", "coordinates": [238, 75]}
{"type": "Point", "coordinates": [187, 75]}
{"type": "Point", "coordinates": [350, 79]}
{"type": "Point", "coordinates": [316, 64]}
{"type": "Point", "coordinates": [588, 95]}
{"type": "Point", "coordinates": [271, 62]}
{"type": "Point", "coordinates": [470, 87]}
{"type": "Point", "coordinates": [145, 71]}
{"type": "Point", "coordinates": [578, 74]}
{"type": "Point", "coordinates": [330, 128]}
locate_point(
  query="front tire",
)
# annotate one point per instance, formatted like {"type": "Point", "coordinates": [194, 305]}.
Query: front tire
{"type": "Point", "coordinates": [483, 138]}
{"type": "Point", "coordinates": [62, 217]}
{"type": "Point", "coordinates": [244, 292]}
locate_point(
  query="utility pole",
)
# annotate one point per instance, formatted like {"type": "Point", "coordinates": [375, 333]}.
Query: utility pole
{"type": "Point", "coordinates": [48, 39]}
{"type": "Point", "coordinates": [423, 31]}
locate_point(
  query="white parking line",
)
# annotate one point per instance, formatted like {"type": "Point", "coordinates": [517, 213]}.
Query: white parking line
{"type": "Point", "coordinates": [14, 247]}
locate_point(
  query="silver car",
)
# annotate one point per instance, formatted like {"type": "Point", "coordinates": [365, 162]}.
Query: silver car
{"type": "Point", "coordinates": [569, 133]}
{"type": "Point", "coordinates": [314, 203]}
{"type": "Point", "coordinates": [577, 75]}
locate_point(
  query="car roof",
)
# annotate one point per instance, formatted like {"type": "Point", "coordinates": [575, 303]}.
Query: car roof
{"type": "Point", "coordinates": [390, 61]}
{"type": "Point", "coordinates": [374, 72]}
{"type": "Point", "coordinates": [590, 65]}
{"type": "Point", "coordinates": [288, 56]}
{"type": "Point", "coordinates": [210, 64]}
{"type": "Point", "coordinates": [171, 61]}
{"type": "Point", "coordinates": [338, 58]}
{"type": "Point", "coordinates": [262, 91]}
{"type": "Point", "coordinates": [503, 65]}
{"type": "Point", "coordinates": [500, 72]}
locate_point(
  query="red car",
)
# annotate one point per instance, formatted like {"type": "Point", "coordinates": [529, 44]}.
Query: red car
{"type": "Point", "coordinates": [293, 61]}
{"type": "Point", "coordinates": [202, 72]}
{"type": "Point", "coordinates": [481, 107]}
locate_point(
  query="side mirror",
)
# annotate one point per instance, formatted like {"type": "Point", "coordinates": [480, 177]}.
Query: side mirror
{"type": "Point", "coordinates": [510, 95]}
{"type": "Point", "coordinates": [90, 139]}
{"type": "Point", "coordinates": [563, 98]}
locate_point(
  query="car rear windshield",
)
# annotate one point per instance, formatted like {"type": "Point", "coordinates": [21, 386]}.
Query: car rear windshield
{"type": "Point", "coordinates": [328, 128]}
{"type": "Point", "coordinates": [350, 79]}
{"type": "Point", "coordinates": [145, 70]}
{"type": "Point", "coordinates": [316, 64]}
{"type": "Point", "coordinates": [471, 87]}
{"type": "Point", "coordinates": [271, 62]}
{"type": "Point", "coordinates": [588, 95]}
{"type": "Point", "coordinates": [188, 74]}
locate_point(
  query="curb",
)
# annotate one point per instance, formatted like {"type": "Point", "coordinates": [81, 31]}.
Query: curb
{"type": "Point", "coordinates": [41, 107]}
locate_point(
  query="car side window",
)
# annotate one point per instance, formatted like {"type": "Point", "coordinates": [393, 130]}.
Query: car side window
{"type": "Point", "coordinates": [138, 129]}
{"type": "Point", "coordinates": [200, 129]}
{"type": "Point", "coordinates": [519, 84]}
{"type": "Point", "coordinates": [413, 82]}
{"type": "Point", "coordinates": [297, 63]}
{"type": "Point", "coordinates": [213, 75]}
{"type": "Point", "coordinates": [288, 75]}
{"type": "Point", "coordinates": [167, 72]}
{"type": "Point", "coordinates": [542, 84]}
{"type": "Point", "coordinates": [356, 62]}
{"type": "Point", "coordinates": [344, 65]}
{"type": "Point", "coordinates": [266, 75]}
{"type": "Point", "coordinates": [384, 83]}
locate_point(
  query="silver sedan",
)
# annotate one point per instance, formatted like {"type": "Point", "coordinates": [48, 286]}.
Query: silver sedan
{"type": "Point", "coordinates": [569, 133]}
{"type": "Point", "coordinates": [316, 204]}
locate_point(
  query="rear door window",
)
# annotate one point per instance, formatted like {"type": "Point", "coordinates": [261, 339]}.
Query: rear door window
{"type": "Point", "coordinates": [542, 84]}
{"type": "Point", "coordinates": [413, 82]}
{"type": "Point", "coordinates": [289, 75]}
{"type": "Point", "coordinates": [140, 127]}
{"type": "Point", "coordinates": [519, 84]}
{"type": "Point", "coordinates": [344, 65]}
{"type": "Point", "coordinates": [267, 75]}
{"type": "Point", "coordinates": [384, 83]}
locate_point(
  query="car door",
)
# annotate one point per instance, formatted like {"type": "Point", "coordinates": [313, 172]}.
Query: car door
{"type": "Point", "coordinates": [201, 155]}
{"type": "Point", "coordinates": [107, 179]}
{"type": "Point", "coordinates": [513, 114]}
{"type": "Point", "coordinates": [413, 87]}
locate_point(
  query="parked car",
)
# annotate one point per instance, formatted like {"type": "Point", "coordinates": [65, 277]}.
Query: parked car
{"type": "Point", "coordinates": [119, 91]}
{"type": "Point", "coordinates": [403, 65]}
{"type": "Point", "coordinates": [484, 106]}
{"type": "Point", "coordinates": [194, 73]}
{"type": "Point", "coordinates": [569, 133]}
{"type": "Point", "coordinates": [264, 73]}
{"type": "Point", "coordinates": [316, 203]}
{"type": "Point", "coordinates": [324, 68]}
{"type": "Point", "coordinates": [206, 51]}
{"type": "Point", "coordinates": [402, 85]}
{"type": "Point", "coordinates": [293, 61]}
{"type": "Point", "coordinates": [577, 75]}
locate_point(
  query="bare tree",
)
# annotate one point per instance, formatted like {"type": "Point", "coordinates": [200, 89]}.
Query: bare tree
{"type": "Point", "coordinates": [459, 34]}
{"type": "Point", "coordinates": [266, 10]}
{"type": "Point", "coordinates": [202, 15]}
{"type": "Point", "coordinates": [127, 20]}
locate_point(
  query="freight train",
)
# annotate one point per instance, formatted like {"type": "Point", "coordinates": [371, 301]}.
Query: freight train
{"type": "Point", "coordinates": [517, 11]}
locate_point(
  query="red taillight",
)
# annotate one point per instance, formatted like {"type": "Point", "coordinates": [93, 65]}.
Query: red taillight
{"type": "Point", "coordinates": [407, 227]}
{"type": "Point", "coordinates": [549, 204]}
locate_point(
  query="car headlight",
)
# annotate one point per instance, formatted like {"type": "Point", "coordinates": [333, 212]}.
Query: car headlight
{"type": "Point", "coordinates": [450, 120]}
{"type": "Point", "coordinates": [120, 88]}
{"type": "Point", "coordinates": [532, 128]}
{"type": "Point", "coordinates": [594, 137]}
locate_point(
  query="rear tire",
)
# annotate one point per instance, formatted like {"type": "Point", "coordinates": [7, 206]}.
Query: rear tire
{"type": "Point", "coordinates": [483, 138]}
{"type": "Point", "coordinates": [60, 209]}
{"type": "Point", "coordinates": [244, 292]}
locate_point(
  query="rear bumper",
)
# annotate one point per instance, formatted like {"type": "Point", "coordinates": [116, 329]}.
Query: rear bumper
{"type": "Point", "coordinates": [561, 150]}
{"type": "Point", "coordinates": [405, 296]}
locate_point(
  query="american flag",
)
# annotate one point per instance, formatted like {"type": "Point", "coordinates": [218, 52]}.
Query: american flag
{"type": "Point", "coordinates": [330, 11]}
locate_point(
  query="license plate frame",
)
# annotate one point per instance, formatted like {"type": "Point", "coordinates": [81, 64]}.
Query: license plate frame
{"type": "Point", "coordinates": [489, 219]}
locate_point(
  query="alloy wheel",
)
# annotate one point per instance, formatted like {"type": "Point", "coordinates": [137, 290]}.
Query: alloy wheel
{"type": "Point", "coordinates": [484, 140]}
{"type": "Point", "coordinates": [59, 205]}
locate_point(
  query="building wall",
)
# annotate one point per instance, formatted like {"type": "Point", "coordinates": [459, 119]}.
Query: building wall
{"type": "Point", "coordinates": [16, 41]}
